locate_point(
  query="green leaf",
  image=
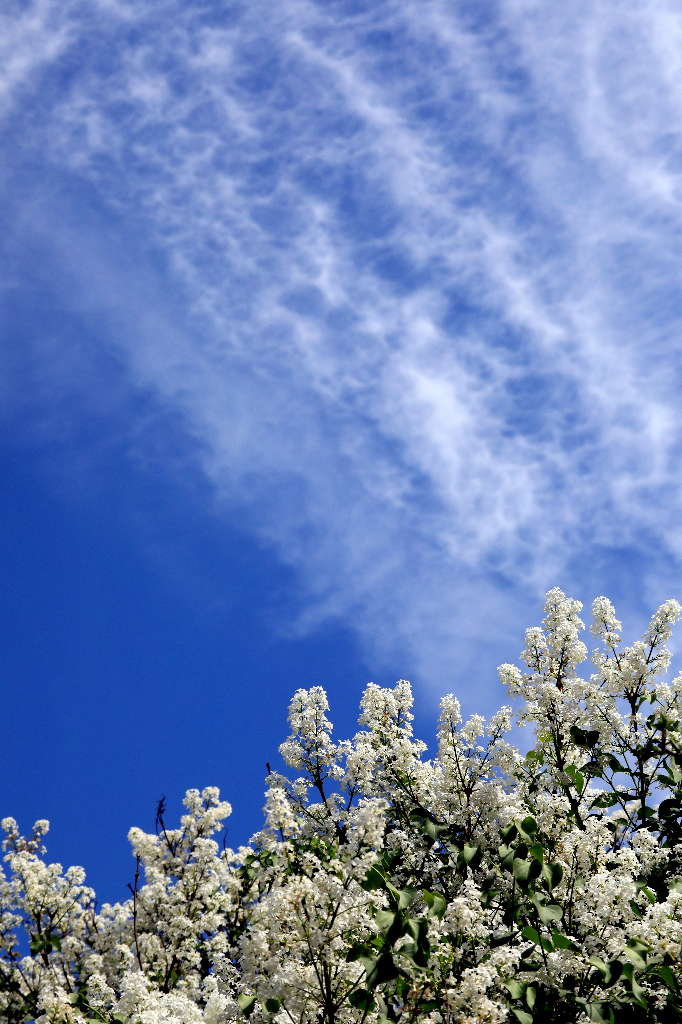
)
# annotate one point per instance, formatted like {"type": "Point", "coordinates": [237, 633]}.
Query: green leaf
{"type": "Point", "coordinates": [534, 870]}
{"type": "Point", "coordinates": [525, 871]}
{"type": "Point", "coordinates": [531, 965]}
{"type": "Point", "coordinates": [562, 942]}
{"type": "Point", "coordinates": [406, 898]}
{"type": "Point", "coordinates": [611, 971]}
{"type": "Point", "coordinates": [534, 936]}
{"type": "Point", "coordinates": [614, 969]}
{"type": "Point", "coordinates": [430, 828]}
{"type": "Point", "coordinates": [576, 777]}
{"type": "Point", "coordinates": [516, 988]}
{"type": "Point", "coordinates": [436, 903]}
{"type": "Point", "coordinates": [547, 912]}
{"type": "Point", "coordinates": [507, 860]}
{"type": "Point", "coordinates": [650, 895]}
{"type": "Point", "coordinates": [427, 823]}
{"type": "Point", "coordinates": [470, 856]}
{"type": "Point", "coordinates": [597, 962]}
{"type": "Point", "coordinates": [520, 869]}
{"type": "Point", "coordinates": [522, 1016]}
{"type": "Point", "coordinates": [552, 874]}
{"type": "Point", "coordinates": [550, 912]}
{"type": "Point", "coordinates": [374, 879]}
{"type": "Point", "coordinates": [668, 976]}
{"type": "Point", "coordinates": [394, 895]}
{"type": "Point", "coordinates": [604, 800]}
{"type": "Point", "coordinates": [636, 951]}
{"type": "Point", "coordinates": [419, 930]}
{"type": "Point", "coordinates": [633, 985]}
{"type": "Point", "coordinates": [273, 1005]}
{"type": "Point", "coordinates": [529, 826]}
{"type": "Point", "coordinates": [246, 1004]}
{"type": "Point", "coordinates": [600, 1012]}
{"type": "Point", "coordinates": [488, 894]}
{"type": "Point", "coordinates": [366, 954]}
{"type": "Point", "coordinates": [385, 969]}
{"type": "Point", "coordinates": [537, 852]}
{"type": "Point", "coordinates": [531, 996]}
{"type": "Point", "coordinates": [417, 951]}
{"type": "Point", "coordinates": [386, 919]}
{"type": "Point", "coordinates": [584, 737]}
{"type": "Point", "coordinates": [361, 999]}
{"type": "Point", "coordinates": [645, 812]}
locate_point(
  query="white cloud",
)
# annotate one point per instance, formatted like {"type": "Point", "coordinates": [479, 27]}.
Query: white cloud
{"type": "Point", "coordinates": [30, 39]}
{"type": "Point", "coordinates": [503, 400]}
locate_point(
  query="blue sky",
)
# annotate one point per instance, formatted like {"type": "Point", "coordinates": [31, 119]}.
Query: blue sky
{"type": "Point", "coordinates": [333, 335]}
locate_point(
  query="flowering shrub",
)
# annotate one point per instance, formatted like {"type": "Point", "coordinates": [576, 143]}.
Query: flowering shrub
{"type": "Point", "coordinates": [482, 885]}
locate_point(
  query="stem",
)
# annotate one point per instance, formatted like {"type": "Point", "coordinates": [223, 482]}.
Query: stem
{"type": "Point", "coordinates": [133, 888]}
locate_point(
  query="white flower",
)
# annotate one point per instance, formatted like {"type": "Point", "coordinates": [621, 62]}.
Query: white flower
{"type": "Point", "coordinates": [371, 850]}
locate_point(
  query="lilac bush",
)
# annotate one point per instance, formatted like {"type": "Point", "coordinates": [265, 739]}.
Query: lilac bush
{"type": "Point", "coordinates": [483, 885]}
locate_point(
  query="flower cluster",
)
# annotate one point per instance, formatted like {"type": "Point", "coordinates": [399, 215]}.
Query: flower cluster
{"type": "Point", "coordinates": [482, 885]}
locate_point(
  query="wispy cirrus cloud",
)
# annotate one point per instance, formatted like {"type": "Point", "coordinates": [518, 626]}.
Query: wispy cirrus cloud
{"type": "Point", "coordinates": [428, 262]}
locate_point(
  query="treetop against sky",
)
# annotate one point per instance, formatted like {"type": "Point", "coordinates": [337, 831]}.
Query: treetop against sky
{"type": "Point", "coordinates": [480, 885]}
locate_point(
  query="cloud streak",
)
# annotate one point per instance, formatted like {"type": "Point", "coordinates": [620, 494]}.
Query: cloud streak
{"type": "Point", "coordinates": [428, 263]}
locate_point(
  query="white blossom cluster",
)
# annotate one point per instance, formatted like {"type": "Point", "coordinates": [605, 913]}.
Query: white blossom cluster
{"type": "Point", "coordinates": [482, 885]}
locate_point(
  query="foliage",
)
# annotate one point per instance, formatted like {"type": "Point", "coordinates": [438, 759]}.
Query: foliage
{"type": "Point", "coordinates": [480, 885]}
